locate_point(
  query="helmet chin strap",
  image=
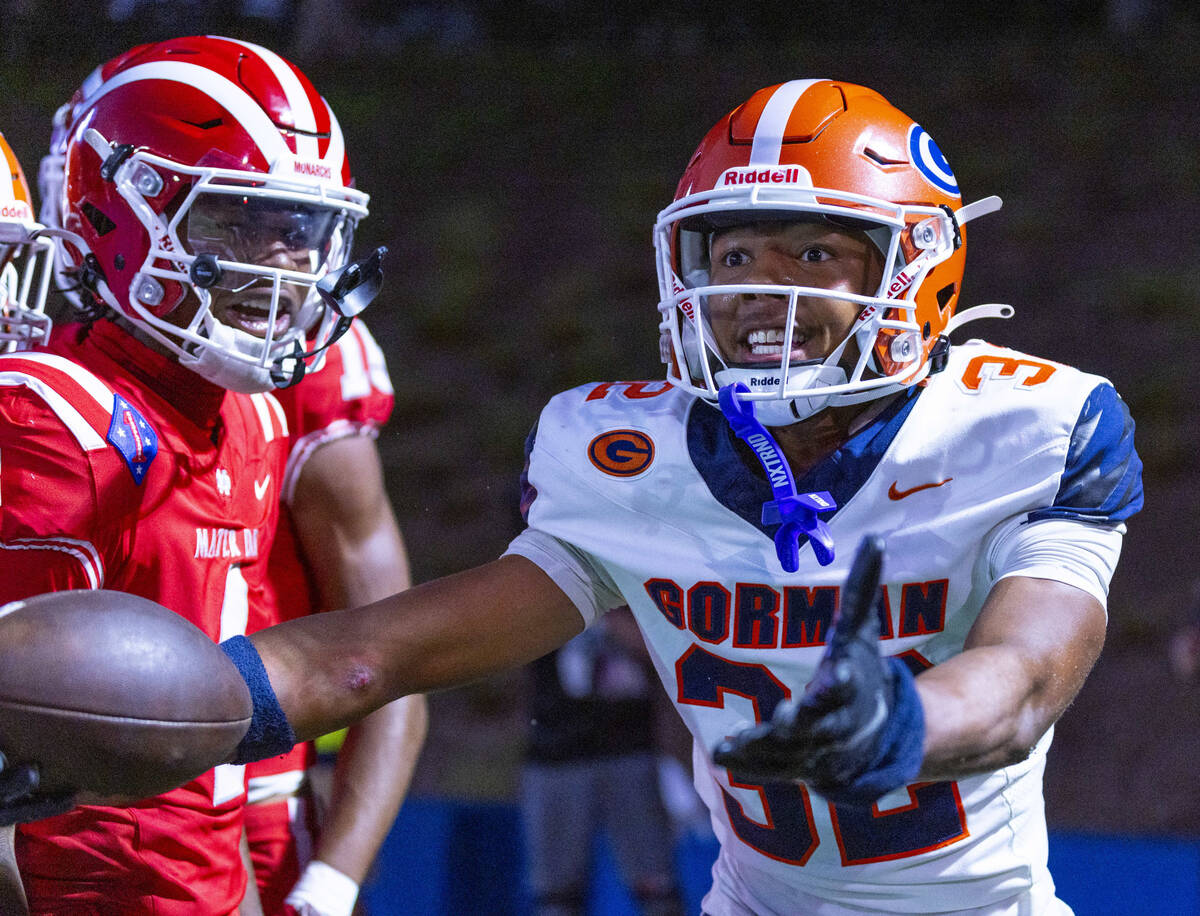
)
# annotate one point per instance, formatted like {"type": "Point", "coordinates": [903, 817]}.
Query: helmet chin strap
{"type": "Point", "coordinates": [345, 291]}
{"type": "Point", "coordinates": [795, 513]}
{"type": "Point", "coordinates": [784, 412]}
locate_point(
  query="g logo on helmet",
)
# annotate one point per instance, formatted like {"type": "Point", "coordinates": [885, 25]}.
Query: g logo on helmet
{"type": "Point", "coordinates": [930, 161]}
{"type": "Point", "coordinates": [621, 452]}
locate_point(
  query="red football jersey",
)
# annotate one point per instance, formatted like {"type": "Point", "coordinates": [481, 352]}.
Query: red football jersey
{"type": "Point", "coordinates": [350, 394]}
{"type": "Point", "coordinates": [123, 470]}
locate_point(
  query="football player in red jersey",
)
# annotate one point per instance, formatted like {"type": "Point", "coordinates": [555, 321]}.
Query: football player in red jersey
{"type": "Point", "coordinates": [207, 192]}
{"type": "Point", "coordinates": [338, 545]}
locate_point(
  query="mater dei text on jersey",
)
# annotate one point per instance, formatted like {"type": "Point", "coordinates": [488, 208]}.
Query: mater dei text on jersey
{"type": "Point", "coordinates": [222, 543]}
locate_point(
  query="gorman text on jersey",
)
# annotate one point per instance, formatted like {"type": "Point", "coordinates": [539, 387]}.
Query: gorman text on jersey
{"type": "Point", "coordinates": [757, 616]}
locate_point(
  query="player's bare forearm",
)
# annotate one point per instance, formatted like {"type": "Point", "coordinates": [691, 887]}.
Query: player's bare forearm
{"type": "Point", "coordinates": [374, 769]}
{"type": "Point", "coordinates": [332, 669]}
{"type": "Point", "coordinates": [1024, 661]}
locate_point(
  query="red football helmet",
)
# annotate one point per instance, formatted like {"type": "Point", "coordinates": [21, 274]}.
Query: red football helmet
{"type": "Point", "coordinates": [185, 161]}
{"type": "Point", "coordinates": [51, 178]}
{"type": "Point", "coordinates": [26, 257]}
{"type": "Point", "coordinates": [818, 149]}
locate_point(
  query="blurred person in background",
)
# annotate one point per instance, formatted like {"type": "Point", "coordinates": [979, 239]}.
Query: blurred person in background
{"type": "Point", "coordinates": [591, 765]}
{"type": "Point", "coordinates": [1184, 647]}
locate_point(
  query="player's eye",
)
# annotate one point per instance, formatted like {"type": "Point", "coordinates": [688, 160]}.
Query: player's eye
{"type": "Point", "coordinates": [735, 257]}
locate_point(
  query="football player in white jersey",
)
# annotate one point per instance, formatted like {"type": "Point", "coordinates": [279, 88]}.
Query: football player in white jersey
{"type": "Point", "coordinates": [861, 747]}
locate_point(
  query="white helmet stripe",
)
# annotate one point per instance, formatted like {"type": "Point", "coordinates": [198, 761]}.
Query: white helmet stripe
{"type": "Point", "coordinates": [772, 124]}
{"type": "Point", "coordinates": [302, 111]}
{"type": "Point", "coordinates": [335, 154]}
{"type": "Point", "coordinates": [228, 95]}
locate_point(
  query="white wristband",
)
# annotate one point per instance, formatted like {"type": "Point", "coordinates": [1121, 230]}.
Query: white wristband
{"type": "Point", "coordinates": [323, 891]}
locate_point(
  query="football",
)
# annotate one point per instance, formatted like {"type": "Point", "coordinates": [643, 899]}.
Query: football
{"type": "Point", "coordinates": [114, 695]}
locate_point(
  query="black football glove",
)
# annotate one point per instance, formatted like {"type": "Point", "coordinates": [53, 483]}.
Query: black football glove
{"type": "Point", "coordinates": [857, 731]}
{"type": "Point", "coordinates": [20, 800]}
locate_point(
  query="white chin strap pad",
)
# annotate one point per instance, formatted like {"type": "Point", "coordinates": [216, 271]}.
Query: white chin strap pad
{"type": "Point", "coordinates": [226, 371]}
{"type": "Point", "coordinates": [783, 411]}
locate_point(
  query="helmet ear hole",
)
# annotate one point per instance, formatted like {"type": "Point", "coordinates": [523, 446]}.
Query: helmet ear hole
{"type": "Point", "coordinates": [945, 294]}
{"type": "Point", "coordinates": [100, 222]}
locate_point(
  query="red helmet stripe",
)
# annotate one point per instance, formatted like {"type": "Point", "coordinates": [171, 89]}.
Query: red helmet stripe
{"type": "Point", "coordinates": [773, 122]}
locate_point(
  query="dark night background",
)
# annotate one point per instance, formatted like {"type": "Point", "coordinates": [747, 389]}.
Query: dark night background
{"type": "Point", "coordinates": [517, 154]}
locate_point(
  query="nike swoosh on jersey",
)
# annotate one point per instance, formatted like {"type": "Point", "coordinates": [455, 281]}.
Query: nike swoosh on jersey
{"type": "Point", "coordinates": [260, 489]}
{"type": "Point", "coordinates": [893, 493]}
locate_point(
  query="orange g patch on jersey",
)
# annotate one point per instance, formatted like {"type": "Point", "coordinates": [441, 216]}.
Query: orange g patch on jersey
{"type": "Point", "coordinates": [622, 452]}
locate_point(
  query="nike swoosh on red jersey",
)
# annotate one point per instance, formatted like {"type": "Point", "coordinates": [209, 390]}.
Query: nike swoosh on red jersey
{"type": "Point", "coordinates": [260, 489]}
{"type": "Point", "coordinates": [893, 493]}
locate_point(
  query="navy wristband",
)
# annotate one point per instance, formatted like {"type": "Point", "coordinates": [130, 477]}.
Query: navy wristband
{"type": "Point", "coordinates": [270, 734]}
{"type": "Point", "coordinates": [901, 749]}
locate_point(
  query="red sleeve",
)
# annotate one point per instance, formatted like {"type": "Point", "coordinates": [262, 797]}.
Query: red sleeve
{"type": "Point", "coordinates": [51, 536]}
{"type": "Point", "coordinates": [349, 395]}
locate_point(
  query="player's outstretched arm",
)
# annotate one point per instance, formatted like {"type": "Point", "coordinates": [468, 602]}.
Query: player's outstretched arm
{"type": "Point", "coordinates": [1024, 661]}
{"type": "Point", "coordinates": [856, 732]}
{"type": "Point", "coordinates": [330, 670]}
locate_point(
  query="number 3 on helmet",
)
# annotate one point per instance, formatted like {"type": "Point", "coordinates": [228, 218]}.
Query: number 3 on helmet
{"type": "Point", "coordinates": [819, 149]}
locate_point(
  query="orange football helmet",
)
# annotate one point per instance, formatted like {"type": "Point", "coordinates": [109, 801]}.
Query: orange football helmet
{"type": "Point", "coordinates": [819, 149]}
{"type": "Point", "coordinates": [26, 259]}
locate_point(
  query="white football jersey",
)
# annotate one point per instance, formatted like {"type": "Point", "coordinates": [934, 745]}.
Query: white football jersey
{"type": "Point", "coordinates": [1002, 464]}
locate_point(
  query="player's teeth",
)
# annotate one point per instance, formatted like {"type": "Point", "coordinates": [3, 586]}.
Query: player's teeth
{"type": "Point", "coordinates": [773, 335]}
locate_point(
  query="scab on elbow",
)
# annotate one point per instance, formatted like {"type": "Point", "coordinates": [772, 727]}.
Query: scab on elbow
{"type": "Point", "coordinates": [358, 676]}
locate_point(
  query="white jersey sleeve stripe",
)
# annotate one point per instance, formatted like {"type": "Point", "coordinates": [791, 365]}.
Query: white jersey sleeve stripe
{"type": "Point", "coordinates": [274, 785]}
{"type": "Point", "coordinates": [277, 411]}
{"type": "Point", "coordinates": [99, 392]}
{"type": "Point", "coordinates": [356, 380]}
{"type": "Point", "coordinates": [87, 437]}
{"type": "Point", "coordinates": [376, 361]}
{"type": "Point", "coordinates": [83, 551]}
{"type": "Point", "coordinates": [264, 416]}
{"type": "Point", "coordinates": [303, 448]}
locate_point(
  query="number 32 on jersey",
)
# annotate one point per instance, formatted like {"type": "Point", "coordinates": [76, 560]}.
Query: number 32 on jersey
{"type": "Point", "coordinates": [933, 818]}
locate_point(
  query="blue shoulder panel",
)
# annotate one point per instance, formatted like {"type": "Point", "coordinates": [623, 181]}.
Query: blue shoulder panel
{"type": "Point", "coordinates": [1102, 479]}
{"type": "Point", "coordinates": [133, 437]}
{"type": "Point", "coordinates": [528, 490]}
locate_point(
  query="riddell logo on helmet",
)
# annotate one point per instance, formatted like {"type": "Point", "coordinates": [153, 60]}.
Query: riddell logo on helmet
{"type": "Point", "coordinates": [313, 169]}
{"type": "Point", "coordinates": [900, 283]}
{"type": "Point", "coordinates": [17, 210]}
{"type": "Point", "coordinates": [790, 175]}
{"type": "Point", "coordinates": [685, 305]}
{"type": "Point", "coordinates": [756, 382]}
